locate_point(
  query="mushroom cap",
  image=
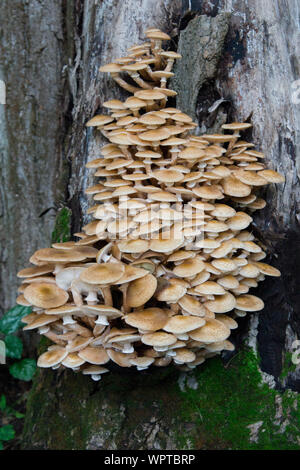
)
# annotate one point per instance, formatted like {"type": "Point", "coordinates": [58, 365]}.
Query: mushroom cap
{"type": "Point", "coordinates": [191, 305]}
{"type": "Point", "coordinates": [150, 319]}
{"type": "Point", "coordinates": [36, 271]}
{"type": "Point", "coordinates": [234, 187]}
{"type": "Point", "coordinates": [131, 274]}
{"type": "Point", "coordinates": [94, 355]}
{"type": "Point", "coordinates": [189, 267]}
{"type": "Point", "coordinates": [267, 269]}
{"type": "Point", "coordinates": [249, 303]}
{"type": "Point", "coordinates": [179, 324]}
{"type": "Point", "coordinates": [222, 304]}
{"type": "Point", "coordinates": [184, 355]}
{"type": "Point", "coordinates": [159, 339]}
{"type": "Point", "coordinates": [94, 370]}
{"type": "Point", "coordinates": [172, 292]}
{"type": "Point", "coordinates": [52, 358]}
{"type": "Point", "coordinates": [122, 359]}
{"type": "Point", "coordinates": [272, 176]}
{"type": "Point", "coordinates": [73, 361]}
{"type": "Point", "coordinates": [55, 255]}
{"type": "Point", "coordinates": [143, 361]}
{"type": "Point", "coordinates": [165, 245]}
{"type": "Point", "coordinates": [105, 273]}
{"type": "Point", "coordinates": [212, 331]}
{"type": "Point", "coordinates": [155, 135]}
{"type": "Point", "coordinates": [45, 295]}
{"type": "Point", "coordinates": [38, 321]}
{"type": "Point", "coordinates": [236, 126]}
{"type": "Point", "coordinates": [141, 290]}
{"type": "Point", "coordinates": [209, 288]}
{"type": "Point", "coordinates": [228, 321]}
{"type": "Point", "coordinates": [99, 120]}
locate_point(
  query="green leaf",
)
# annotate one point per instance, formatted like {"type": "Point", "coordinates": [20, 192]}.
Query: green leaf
{"type": "Point", "coordinates": [2, 402]}
{"type": "Point", "coordinates": [1, 445]}
{"type": "Point", "coordinates": [7, 432]}
{"type": "Point", "coordinates": [14, 347]}
{"type": "Point", "coordinates": [19, 415]}
{"type": "Point", "coordinates": [12, 320]}
{"type": "Point", "coordinates": [23, 370]}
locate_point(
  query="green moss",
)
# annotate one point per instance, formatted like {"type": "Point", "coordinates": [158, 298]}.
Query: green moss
{"type": "Point", "coordinates": [229, 400]}
{"type": "Point", "coordinates": [288, 365]}
{"type": "Point", "coordinates": [62, 232]}
{"type": "Point", "coordinates": [152, 409]}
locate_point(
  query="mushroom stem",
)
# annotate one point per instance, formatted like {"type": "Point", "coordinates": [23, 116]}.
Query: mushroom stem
{"type": "Point", "coordinates": [116, 77]}
{"type": "Point", "coordinates": [106, 292]}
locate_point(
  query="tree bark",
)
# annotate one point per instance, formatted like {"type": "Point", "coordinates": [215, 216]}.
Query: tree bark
{"type": "Point", "coordinates": [247, 61]}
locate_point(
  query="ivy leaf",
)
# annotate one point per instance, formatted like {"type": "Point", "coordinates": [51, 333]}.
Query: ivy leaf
{"type": "Point", "coordinates": [14, 347]}
{"type": "Point", "coordinates": [12, 320]}
{"type": "Point", "coordinates": [7, 432]}
{"type": "Point", "coordinates": [23, 370]}
{"type": "Point", "coordinates": [2, 402]}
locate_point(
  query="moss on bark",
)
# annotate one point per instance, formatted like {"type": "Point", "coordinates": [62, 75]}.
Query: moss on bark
{"type": "Point", "coordinates": [212, 407]}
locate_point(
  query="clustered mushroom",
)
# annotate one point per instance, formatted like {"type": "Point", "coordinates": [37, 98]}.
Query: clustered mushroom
{"type": "Point", "coordinates": [164, 269]}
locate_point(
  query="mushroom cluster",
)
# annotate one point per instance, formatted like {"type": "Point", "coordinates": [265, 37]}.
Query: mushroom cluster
{"type": "Point", "coordinates": [163, 270]}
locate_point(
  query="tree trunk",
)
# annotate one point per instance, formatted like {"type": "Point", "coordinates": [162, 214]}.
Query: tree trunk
{"type": "Point", "coordinates": [240, 62]}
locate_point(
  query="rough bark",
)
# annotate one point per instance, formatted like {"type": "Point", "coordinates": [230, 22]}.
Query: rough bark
{"type": "Point", "coordinates": [250, 77]}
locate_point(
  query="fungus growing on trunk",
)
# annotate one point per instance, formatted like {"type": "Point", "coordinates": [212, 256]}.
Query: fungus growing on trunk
{"type": "Point", "coordinates": [163, 269]}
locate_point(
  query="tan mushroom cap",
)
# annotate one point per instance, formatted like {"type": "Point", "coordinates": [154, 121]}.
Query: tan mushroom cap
{"type": "Point", "coordinates": [249, 303]}
{"type": "Point", "coordinates": [52, 358]}
{"type": "Point", "coordinates": [211, 332]}
{"type": "Point", "coordinates": [78, 343]}
{"type": "Point", "coordinates": [36, 271]}
{"type": "Point", "coordinates": [267, 269]}
{"type": "Point", "coordinates": [37, 321]}
{"type": "Point", "coordinates": [149, 95]}
{"type": "Point", "coordinates": [45, 295]}
{"type": "Point", "coordinates": [209, 288]}
{"type": "Point", "coordinates": [165, 245]}
{"type": "Point", "coordinates": [208, 192]}
{"type": "Point", "coordinates": [150, 319]}
{"type": "Point", "coordinates": [94, 370]}
{"type": "Point", "coordinates": [94, 355]}
{"type": "Point", "coordinates": [122, 359]}
{"type": "Point", "coordinates": [155, 135]}
{"type": "Point", "coordinates": [234, 187]}
{"type": "Point", "coordinates": [142, 362]}
{"type": "Point", "coordinates": [184, 355]}
{"type": "Point", "coordinates": [72, 361]}
{"type": "Point", "coordinates": [228, 321]}
{"type": "Point", "coordinates": [99, 120]}
{"type": "Point", "coordinates": [168, 175]}
{"type": "Point", "coordinates": [222, 304]}
{"type": "Point", "coordinates": [131, 273]}
{"type": "Point", "coordinates": [272, 176]}
{"type": "Point", "coordinates": [179, 324]}
{"type": "Point", "coordinates": [133, 246]}
{"type": "Point", "coordinates": [172, 292]}
{"type": "Point", "coordinates": [192, 306]}
{"type": "Point", "coordinates": [60, 256]}
{"type": "Point", "coordinates": [105, 273]}
{"type": "Point", "coordinates": [189, 267]}
{"type": "Point", "coordinates": [228, 282]}
{"type": "Point", "coordinates": [141, 290]}
{"type": "Point", "coordinates": [159, 339]}
{"type": "Point", "coordinates": [236, 126]}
